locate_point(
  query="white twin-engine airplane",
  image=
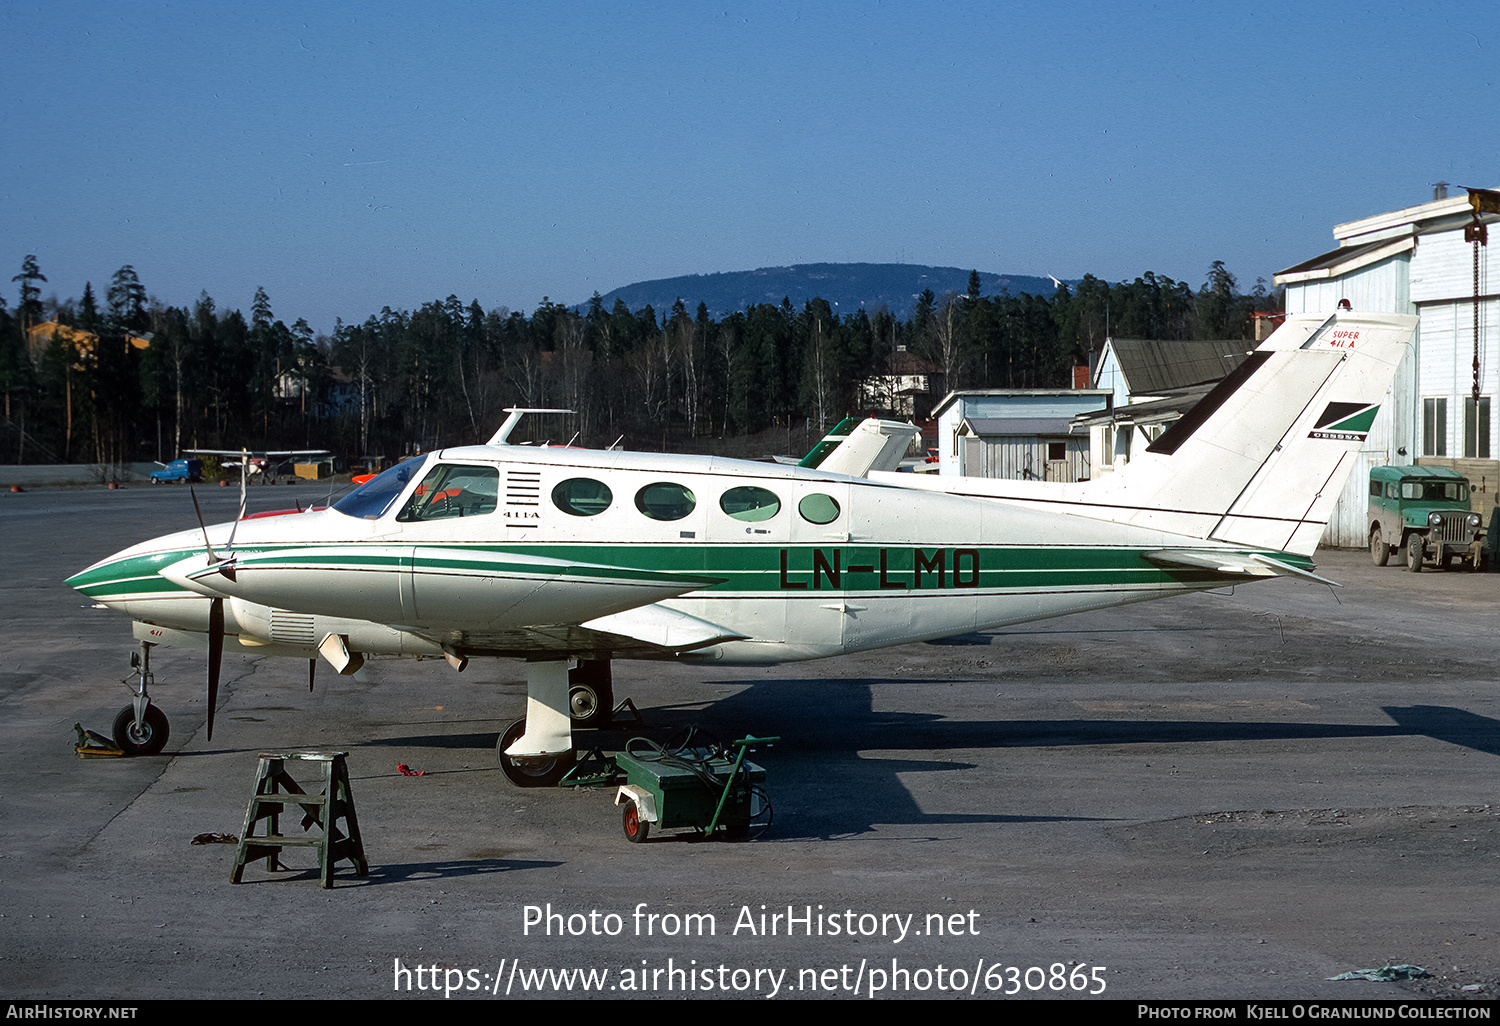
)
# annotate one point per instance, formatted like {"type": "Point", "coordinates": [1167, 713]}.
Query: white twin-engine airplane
{"type": "Point", "coordinates": [563, 556]}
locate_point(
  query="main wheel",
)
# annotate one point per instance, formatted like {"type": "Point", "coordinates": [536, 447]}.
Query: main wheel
{"type": "Point", "coordinates": [636, 828]}
{"type": "Point", "coordinates": [1414, 546]}
{"type": "Point", "coordinates": [591, 695]}
{"type": "Point", "coordinates": [1380, 552]}
{"type": "Point", "coordinates": [537, 771]}
{"type": "Point", "coordinates": [149, 739]}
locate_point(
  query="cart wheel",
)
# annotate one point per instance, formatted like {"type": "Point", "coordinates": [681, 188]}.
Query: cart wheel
{"type": "Point", "coordinates": [636, 828]}
{"type": "Point", "coordinates": [543, 771]}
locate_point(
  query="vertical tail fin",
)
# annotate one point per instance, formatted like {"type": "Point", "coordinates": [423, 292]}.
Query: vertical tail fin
{"type": "Point", "coordinates": [1262, 458]}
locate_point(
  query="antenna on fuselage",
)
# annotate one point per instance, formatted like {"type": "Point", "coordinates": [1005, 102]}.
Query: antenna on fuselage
{"type": "Point", "coordinates": [516, 413]}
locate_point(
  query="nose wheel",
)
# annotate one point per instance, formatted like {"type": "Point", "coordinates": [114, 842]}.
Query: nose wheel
{"type": "Point", "coordinates": [148, 737]}
{"type": "Point", "coordinates": [141, 728]}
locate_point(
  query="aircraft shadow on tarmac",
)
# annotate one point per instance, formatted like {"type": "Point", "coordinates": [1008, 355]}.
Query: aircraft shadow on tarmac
{"type": "Point", "coordinates": [825, 780]}
{"type": "Point", "coordinates": [400, 872]}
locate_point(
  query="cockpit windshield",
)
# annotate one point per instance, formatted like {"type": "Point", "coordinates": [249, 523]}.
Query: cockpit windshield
{"type": "Point", "coordinates": [370, 500]}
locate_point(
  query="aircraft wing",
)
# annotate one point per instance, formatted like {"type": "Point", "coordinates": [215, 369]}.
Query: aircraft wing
{"type": "Point", "coordinates": [1250, 564]}
{"type": "Point", "coordinates": [645, 631]}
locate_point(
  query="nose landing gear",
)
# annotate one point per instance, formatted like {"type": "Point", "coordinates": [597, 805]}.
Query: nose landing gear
{"type": "Point", "coordinates": [141, 728]}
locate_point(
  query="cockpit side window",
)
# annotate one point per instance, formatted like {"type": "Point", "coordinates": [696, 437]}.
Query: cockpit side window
{"type": "Point", "coordinates": [453, 490]}
{"type": "Point", "coordinates": [371, 500]}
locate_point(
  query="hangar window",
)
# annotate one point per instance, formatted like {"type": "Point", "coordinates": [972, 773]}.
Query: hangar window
{"type": "Point", "coordinates": [750, 504]}
{"type": "Point", "coordinates": [818, 509]}
{"type": "Point", "coordinates": [453, 490]}
{"type": "Point", "coordinates": [665, 501]}
{"type": "Point", "coordinates": [582, 497]}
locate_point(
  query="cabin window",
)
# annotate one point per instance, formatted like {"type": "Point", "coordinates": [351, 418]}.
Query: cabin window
{"type": "Point", "coordinates": [1057, 452]}
{"type": "Point", "coordinates": [818, 508]}
{"type": "Point", "coordinates": [665, 501]}
{"type": "Point", "coordinates": [453, 490]}
{"type": "Point", "coordinates": [582, 497]}
{"type": "Point", "coordinates": [750, 504]}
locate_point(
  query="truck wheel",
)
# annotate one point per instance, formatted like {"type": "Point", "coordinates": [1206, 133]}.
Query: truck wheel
{"type": "Point", "coordinates": [1380, 552]}
{"type": "Point", "coordinates": [1414, 545]}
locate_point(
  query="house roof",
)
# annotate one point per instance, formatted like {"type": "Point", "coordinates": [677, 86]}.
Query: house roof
{"type": "Point", "coordinates": [1156, 411]}
{"type": "Point", "coordinates": [1154, 366]}
{"type": "Point", "coordinates": [990, 427]}
{"type": "Point", "coordinates": [965, 395]}
{"type": "Point", "coordinates": [1345, 259]}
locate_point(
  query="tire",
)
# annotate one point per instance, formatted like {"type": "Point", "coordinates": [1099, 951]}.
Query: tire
{"type": "Point", "coordinates": [1414, 546]}
{"type": "Point", "coordinates": [540, 772]}
{"type": "Point", "coordinates": [149, 740]}
{"type": "Point", "coordinates": [636, 829]}
{"type": "Point", "coordinates": [1380, 552]}
{"type": "Point", "coordinates": [591, 695]}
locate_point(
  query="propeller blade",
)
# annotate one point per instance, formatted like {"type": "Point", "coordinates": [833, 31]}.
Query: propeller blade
{"type": "Point", "coordinates": [212, 558]}
{"type": "Point", "coordinates": [215, 657]}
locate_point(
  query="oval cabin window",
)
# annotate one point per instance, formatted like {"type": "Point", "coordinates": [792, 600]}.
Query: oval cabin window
{"type": "Point", "coordinates": [582, 497]}
{"type": "Point", "coordinates": [665, 501]}
{"type": "Point", "coordinates": [818, 508]}
{"type": "Point", "coordinates": [750, 504]}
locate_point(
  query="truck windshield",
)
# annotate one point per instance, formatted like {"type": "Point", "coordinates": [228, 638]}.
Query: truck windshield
{"type": "Point", "coordinates": [370, 500]}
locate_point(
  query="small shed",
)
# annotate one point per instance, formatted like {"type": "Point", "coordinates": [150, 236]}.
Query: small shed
{"type": "Point", "coordinates": [1021, 434]}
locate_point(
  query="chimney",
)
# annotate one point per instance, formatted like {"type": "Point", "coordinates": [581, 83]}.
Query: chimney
{"type": "Point", "coordinates": [1439, 190]}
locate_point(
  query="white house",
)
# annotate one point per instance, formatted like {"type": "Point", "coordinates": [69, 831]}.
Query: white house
{"type": "Point", "coordinates": [1151, 383]}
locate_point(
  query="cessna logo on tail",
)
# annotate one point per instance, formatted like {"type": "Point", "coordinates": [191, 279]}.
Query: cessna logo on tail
{"type": "Point", "coordinates": [1345, 422]}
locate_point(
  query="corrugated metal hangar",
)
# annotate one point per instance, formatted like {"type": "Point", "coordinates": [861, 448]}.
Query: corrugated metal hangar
{"type": "Point", "coordinates": [1421, 260]}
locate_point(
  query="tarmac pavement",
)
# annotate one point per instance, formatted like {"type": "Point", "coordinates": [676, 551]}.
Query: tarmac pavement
{"type": "Point", "coordinates": [1233, 795]}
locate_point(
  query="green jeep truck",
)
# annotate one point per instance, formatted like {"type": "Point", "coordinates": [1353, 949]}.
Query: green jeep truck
{"type": "Point", "coordinates": [1424, 513]}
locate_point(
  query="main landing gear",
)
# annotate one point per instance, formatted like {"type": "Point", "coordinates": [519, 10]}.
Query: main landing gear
{"type": "Point", "coordinates": [141, 728]}
{"type": "Point", "coordinates": [537, 750]}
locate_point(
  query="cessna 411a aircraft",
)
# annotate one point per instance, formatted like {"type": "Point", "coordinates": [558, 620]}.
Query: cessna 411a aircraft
{"type": "Point", "coordinates": [560, 556]}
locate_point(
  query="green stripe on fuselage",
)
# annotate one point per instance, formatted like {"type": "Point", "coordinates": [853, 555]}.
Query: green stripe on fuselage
{"type": "Point", "coordinates": [767, 568]}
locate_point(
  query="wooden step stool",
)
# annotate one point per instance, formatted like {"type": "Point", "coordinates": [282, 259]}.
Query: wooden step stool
{"type": "Point", "coordinates": [321, 810]}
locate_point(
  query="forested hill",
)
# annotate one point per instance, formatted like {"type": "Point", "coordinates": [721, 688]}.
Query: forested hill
{"type": "Point", "coordinates": [846, 287]}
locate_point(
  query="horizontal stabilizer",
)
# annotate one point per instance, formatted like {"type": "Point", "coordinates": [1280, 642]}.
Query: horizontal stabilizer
{"type": "Point", "coordinates": [870, 445]}
{"type": "Point", "coordinates": [1249, 564]}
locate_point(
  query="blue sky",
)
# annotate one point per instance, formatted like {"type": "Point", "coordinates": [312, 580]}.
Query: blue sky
{"type": "Point", "coordinates": [350, 156]}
